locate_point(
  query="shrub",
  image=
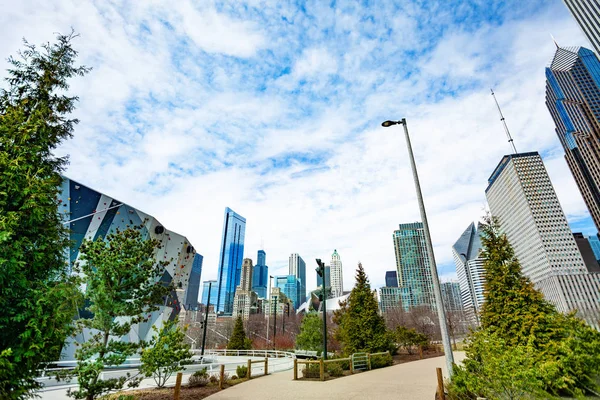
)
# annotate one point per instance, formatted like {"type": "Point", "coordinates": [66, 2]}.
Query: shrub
{"type": "Point", "coordinates": [345, 364]}
{"type": "Point", "coordinates": [311, 371]}
{"type": "Point", "coordinates": [380, 361]}
{"type": "Point", "coordinates": [234, 377]}
{"type": "Point", "coordinates": [241, 371]}
{"type": "Point", "coordinates": [226, 377]}
{"type": "Point", "coordinates": [198, 378]}
{"type": "Point", "coordinates": [213, 379]}
{"type": "Point", "coordinates": [335, 369]}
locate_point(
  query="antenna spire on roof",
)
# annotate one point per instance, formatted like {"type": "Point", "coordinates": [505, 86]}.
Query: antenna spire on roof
{"type": "Point", "coordinates": [510, 139]}
{"type": "Point", "coordinates": [554, 40]}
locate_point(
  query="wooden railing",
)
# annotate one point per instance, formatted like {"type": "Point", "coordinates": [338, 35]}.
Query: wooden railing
{"type": "Point", "coordinates": [322, 363]}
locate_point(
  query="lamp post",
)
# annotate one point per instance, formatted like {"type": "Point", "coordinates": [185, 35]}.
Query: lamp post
{"type": "Point", "coordinates": [434, 274]}
{"type": "Point", "coordinates": [206, 318]}
{"type": "Point", "coordinates": [321, 271]}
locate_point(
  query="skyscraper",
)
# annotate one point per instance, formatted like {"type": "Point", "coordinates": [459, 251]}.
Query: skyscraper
{"type": "Point", "coordinates": [327, 278]}
{"type": "Point", "coordinates": [587, 253]}
{"type": "Point", "coordinates": [469, 270]}
{"type": "Point", "coordinates": [244, 301]}
{"type": "Point", "coordinates": [412, 265]}
{"type": "Point", "coordinates": [290, 286]}
{"type": "Point", "coordinates": [391, 279]}
{"type": "Point", "coordinates": [297, 267]}
{"type": "Point", "coordinates": [522, 197]}
{"type": "Point", "coordinates": [261, 274]}
{"type": "Point", "coordinates": [230, 260]}
{"type": "Point", "coordinates": [587, 15]}
{"type": "Point", "coordinates": [337, 276]}
{"type": "Point", "coordinates": [191, 295]}
{"type": "Point", "coordinates": [573, 99]}
{"type": "Point", "coordinates": [213, 292]}
{"type": "Point", "coordinates": [390, 298]}
{"type": "Point", "coordinates": [595, 243]}
{"type": "Point", "coordinates": [452, 296]}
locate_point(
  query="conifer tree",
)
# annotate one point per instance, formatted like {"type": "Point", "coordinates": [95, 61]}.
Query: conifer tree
{"type": "Point", "coordinates": [360, 327]}
{"type": "Point", "coordinates": [37, 298]}
{"type": "Point", "coordinates": [238, 339]}
{"type": "Point", "coordinates": [311, 333]}
{"type": "Point", "coordinates": [554, 353]}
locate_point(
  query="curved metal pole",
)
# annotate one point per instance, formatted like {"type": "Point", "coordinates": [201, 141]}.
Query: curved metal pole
{"type": "Point", "coordinates": [434, 274]}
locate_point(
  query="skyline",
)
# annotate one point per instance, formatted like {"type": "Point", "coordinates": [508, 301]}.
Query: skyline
{"type": "Point", "coordinates": [215, 126]}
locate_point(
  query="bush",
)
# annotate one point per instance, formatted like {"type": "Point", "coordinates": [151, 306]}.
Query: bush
{"type": "Point", "coordinates": [241, 371]}
{"type": "Point", "coordinates": [198, 378]}
{"type": "Point", "coordinates": [213, 379]}
{"type": "Point", "coordinates": [345, 364]}
{"type": "Point", "coordinates": [234, 377]}
{"type": "Point", "coordinates": [335, 369]}
{"type": "Point", "coordinates": [380, 361]}
{"type": "Point", "coordinates": [311, 371]}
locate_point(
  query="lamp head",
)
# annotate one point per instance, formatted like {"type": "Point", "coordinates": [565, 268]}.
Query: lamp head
{"type": "Point", "coordinates": [388, 123]}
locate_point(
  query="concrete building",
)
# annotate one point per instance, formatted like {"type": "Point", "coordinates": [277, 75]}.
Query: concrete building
{"type": "Point", "coordinates": [90, 214]}
{"type": "Point", "coordinates": [390, 298]}
{"type": "Point", "coordinates": [522, 197]}
{"type": "Point", "coordinates": [297, 268]}
{"type": "Point", "coordinates": [412, 265]}
{"type": "Point", "coordinates": [337, 275]}
{"type": "Point", "coordinates": [587, 15]}
{"type": "Point", "coordinates": [573, 99]}
{"type": "Point", "coordinates": [452, 297]}
{"type": "Point", "coordinates": [470, 271]}
{"type": "Point", "coordinates": [245, 300]}
{"type": "Point", "coordinates": [230, 260]}
{"type": "Point", "coordinates": [279, 302]}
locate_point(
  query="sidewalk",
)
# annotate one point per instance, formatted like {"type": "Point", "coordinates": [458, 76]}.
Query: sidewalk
{"type": "Point", "coordinates": [411, 381]}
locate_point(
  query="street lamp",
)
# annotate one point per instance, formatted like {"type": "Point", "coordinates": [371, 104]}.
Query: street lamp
{"type": "Point", "coordinates": [321, 271]}
{"type": "Point", "coordinates": [434, 274]}
{"type": "Point", "coordinates": [206, 318]}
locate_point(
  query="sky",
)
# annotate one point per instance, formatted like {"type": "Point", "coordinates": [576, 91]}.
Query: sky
{"type": "Point", "coordinates": [274, 108]}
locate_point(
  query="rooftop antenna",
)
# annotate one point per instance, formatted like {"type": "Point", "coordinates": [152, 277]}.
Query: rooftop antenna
{"type": "Point", "coordinates": [554, 40]}
{"type": "Point", "coordinates": [510, 139]}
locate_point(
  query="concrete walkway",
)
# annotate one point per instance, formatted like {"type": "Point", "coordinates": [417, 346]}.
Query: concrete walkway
{"type": "Point", "coordinates": [412, 381]}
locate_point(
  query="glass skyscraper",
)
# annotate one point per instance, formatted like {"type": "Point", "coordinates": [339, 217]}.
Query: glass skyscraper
{"type": "Point", "coordinates": [291, 287]}
{"type": "Point", "coordinates": [412, 265]}
{"type": "Point", "coordinates": [573, 99]}
{"type": "Point", "coordinates": [391, 279]}
{"type": "Point", "coordinates": [230, 260]}
{"type": "Point", "coordinates": [595, 243]}
{"type": "Point", "coordinates": [297, 267]}
{"type": "Point", "coordinates": [191, 295]}
{"type": "Point", "coordinates": [261, 275]}
{"type": "Point", "coordinates": [213, 292]}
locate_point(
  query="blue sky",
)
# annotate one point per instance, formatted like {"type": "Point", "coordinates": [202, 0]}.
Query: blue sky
{"type": "Point", "coordinates": [274, 108]}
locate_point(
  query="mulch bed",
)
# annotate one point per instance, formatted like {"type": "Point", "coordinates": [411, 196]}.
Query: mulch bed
{"type": "Point", "coordinates": [186, 393]}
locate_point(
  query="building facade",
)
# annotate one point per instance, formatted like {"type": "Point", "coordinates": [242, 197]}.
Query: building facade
{"type": "Point", "coordinates": [327, 278]}
{"type": "Point", "coordinates": [573, 99]}
{"type": "Point", "coordinates": [412, 266]}
{"type": "Point", "coordinates": [595, 243]}
{"type": "Point", "coordinates": [290, 286]}
{"type": "Point", "coordinates": [230, 260]}
{"type": "Point", "coordinates": [391, 279]}
{"type": "Point", "coordinates": [297, 267]}
{"type": "Point", "coordinates": [336, 275]}
{"type": "Point", "coordinates": [213, 292]}
{"type": "Point", "coordinates": [522, 197]}
{"type": "Point", "coordinates": [451, 295]}
{"type": "Point", "coordinates": [470, 271]}
{"type": "Point", "coordinates": [390, 298]}
{"type": "Point", "coordinates": [93, 215]}
{"type": "Point", "coordinates": [279, 302]}
{"type": "Point", "coordinates": [261, 275]}
{"type": "Point", "coordinates": [245, 299]}
{"type": "Point", "coordinates": [191, 296]}
{"type": "Point", "coordinates": [587, 15]}
{"type": "Point", "coordinates": [587, 253]}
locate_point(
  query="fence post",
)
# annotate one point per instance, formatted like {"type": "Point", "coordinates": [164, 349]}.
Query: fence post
{"type": "Point", "coordinates": [351, 366]}
{"type": "Point", "coordinates": [266, 366]}
{"type": "Point", "coordinates": [295, 369]}
{"type": "Point", "coordinates": [322, 369]}
{"type": "Point", "coordinates": [177, 386]}
{"type": "Point", "coordinates": [369, 361]}
{"type": "Point", "coordinates": [440, 380]}
{"type": "Point", "coordinates": [222, 376]}
{"type": "Point", "coordinates": [249, 372]}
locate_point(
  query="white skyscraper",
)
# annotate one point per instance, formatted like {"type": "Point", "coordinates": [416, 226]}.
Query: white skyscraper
{"type": "Point", "coordinates": [469, 270]}
{"type": "Point", "coordinates": [337, 277]}
{"type": "Point", "coordinates": [521, 195]}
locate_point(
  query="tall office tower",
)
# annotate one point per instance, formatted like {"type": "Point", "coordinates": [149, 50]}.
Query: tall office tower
{"type": "Point", "coordinates": [390, 298]}
{"type": "Point", "coordinates": [595, 243]}
{"type": "Point", "coordinates": [261, 275]}
{"type": "Point", "coordinates": [213, 293]}
{"type": "Point", "coordinates": [412, 265]}
{"type": "Point", "coordinates": [336, 275]}
{"type": "Point", "coordinates": [327, 278]}
{"type": "Point", "coordinates": [391, 279]}
{"type": "Point", "coordinates": [452, 296]}
{"type": "Point", "coordinates": [587, 15]}
{"type": "Point", "coordinates": [522, 197]}
{"type": "Point", "coordinates": [245, 300]}
{"type": "Point", "coordinates": [297, 267]}
{"type": "Point", "coordinates": [191, 296]}
{"type": "Point", "coordinates": [230, 260]}
{"type": "Point", "coordinates": [573, 99]}
{"type": "Point", "coordinates": [290, 286]}
{"type": "Point", "coordinates": [469, 270]}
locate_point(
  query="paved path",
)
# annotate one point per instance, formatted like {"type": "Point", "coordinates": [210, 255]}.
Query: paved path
{"type": "Point", "coordinates": [414, 380]}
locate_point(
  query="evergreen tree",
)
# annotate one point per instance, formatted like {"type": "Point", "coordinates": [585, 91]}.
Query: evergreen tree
{"type": "Point", "coordinates": [311, 333]}
{"type": "Point", "coordinates": [556, 353]}
{"type": "Point", "coordinates": [360, 327]}
{"type": "Point", "coordinates": [37, 298]}
{"type": "Point", "coordinates": [122, 284]}
{"type": "Point", "coordinates": [238, 339]}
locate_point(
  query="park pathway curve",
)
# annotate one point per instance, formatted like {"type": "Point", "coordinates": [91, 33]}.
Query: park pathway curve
{"type": "Point", "coordinates": [411, 381]}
